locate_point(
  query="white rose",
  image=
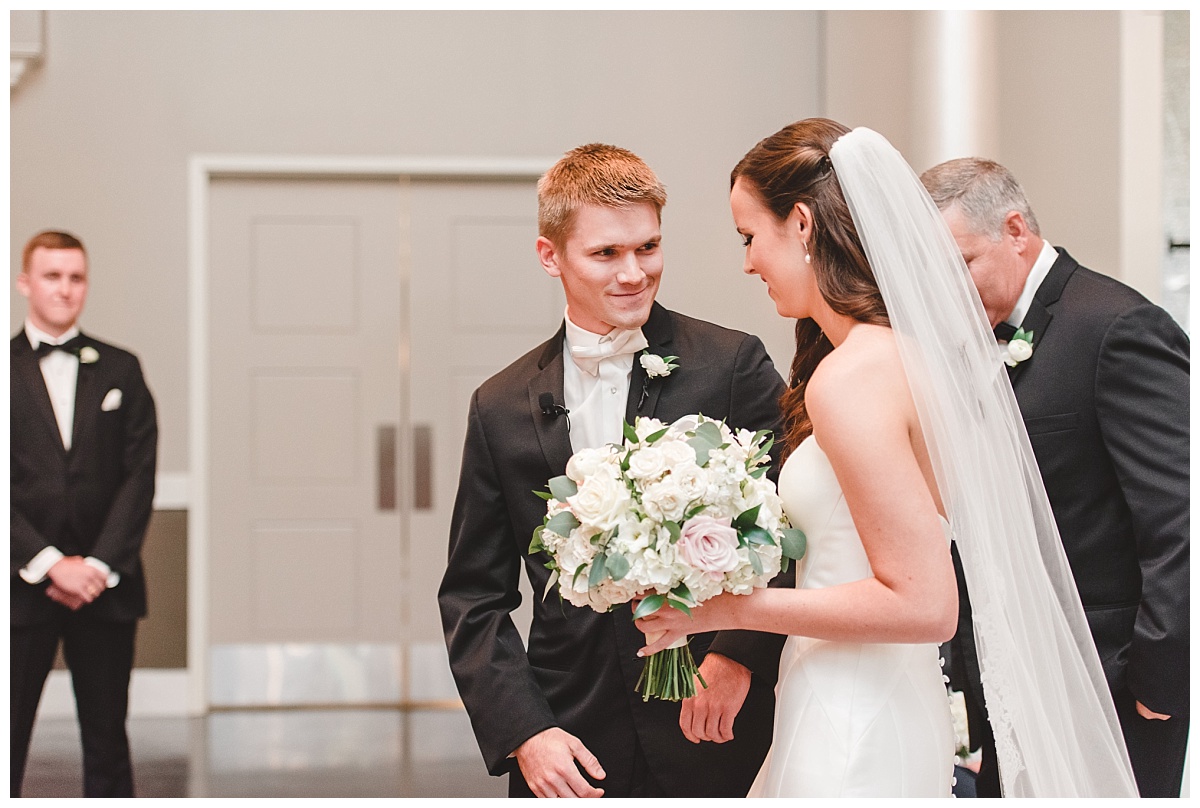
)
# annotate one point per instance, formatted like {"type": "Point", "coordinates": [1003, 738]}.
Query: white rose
{"type": "Point", "coordinates": [600, 502]}
{"type": "Point", "coordinates": [88, 354]}
{"type": "Point", "coordinates": [647, 463]}
{"type": "Point", "coordinates": [1018, 350]}
{"type": "Point", "coordinates": [665, 501]}
{"type": "Point", "coordinates": [692, 480]}
{"type": "Point", "coordinates": [677, 452]}
{"type": "Point", "coordinates": [586, 462]}
{"type": "Point", "coordinates": [654, 365]}
{"type": "Point", "coordinates": [709, 545]}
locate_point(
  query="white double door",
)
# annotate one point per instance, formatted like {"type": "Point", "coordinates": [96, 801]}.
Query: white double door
{"type": "Point", "coordinates": [349, 321]}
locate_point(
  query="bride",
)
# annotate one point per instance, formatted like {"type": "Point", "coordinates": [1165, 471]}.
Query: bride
{"type": "Point", "coordinates": [902, 434]}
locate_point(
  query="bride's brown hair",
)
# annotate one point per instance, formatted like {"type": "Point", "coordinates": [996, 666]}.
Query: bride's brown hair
{"type": "Point", "coordinates": [793, 166]}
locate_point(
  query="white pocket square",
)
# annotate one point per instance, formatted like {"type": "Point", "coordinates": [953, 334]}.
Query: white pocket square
{"type": "Point", "coordinates": [112, 400]}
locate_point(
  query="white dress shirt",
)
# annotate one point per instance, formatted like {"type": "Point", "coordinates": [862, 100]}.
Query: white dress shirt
{"type": "Point", "coordinates": [61, 372]}
{"type": "Point", "coordinates": [1037, 274]}
{"type": "Point", "coordinates": [596, 403]}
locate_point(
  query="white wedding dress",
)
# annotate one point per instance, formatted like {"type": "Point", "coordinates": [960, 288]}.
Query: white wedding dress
{"type": "Point", "coordinates": [851, 719]}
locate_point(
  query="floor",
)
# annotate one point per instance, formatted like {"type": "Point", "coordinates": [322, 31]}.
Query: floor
{"type": "Point", "coordinates": [281, 753]}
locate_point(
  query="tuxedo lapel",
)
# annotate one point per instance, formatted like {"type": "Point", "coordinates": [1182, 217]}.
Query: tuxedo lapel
{"type": "Point", "coordinates": [644, 391]}
{"type": "Point", "coordinates": [25, 363]}
{"type": "Point", "coordinates": [552, 430]}
{"type": "Point", "coordinates": [87, 407]}
{"type": "Point", "coordinates": [1037, 319]}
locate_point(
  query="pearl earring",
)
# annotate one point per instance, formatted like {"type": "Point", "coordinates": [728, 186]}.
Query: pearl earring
{"type": "Point", "coordinates": [807, 254]}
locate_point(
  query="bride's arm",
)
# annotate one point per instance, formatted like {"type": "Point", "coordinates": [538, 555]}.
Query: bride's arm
{"type": "Point", "coordinates": [863, 418]}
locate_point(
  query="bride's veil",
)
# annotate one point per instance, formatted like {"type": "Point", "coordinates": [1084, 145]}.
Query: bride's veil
{"type": "Point", "coordinates": [1056, 730]}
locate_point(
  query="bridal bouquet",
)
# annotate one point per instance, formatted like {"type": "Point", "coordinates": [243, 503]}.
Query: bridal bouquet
{"type": "Point", "coordinates": [673, 515]}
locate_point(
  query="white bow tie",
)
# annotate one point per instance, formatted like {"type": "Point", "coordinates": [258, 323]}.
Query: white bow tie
{"type": "Point", "coordinates": [616, 343]}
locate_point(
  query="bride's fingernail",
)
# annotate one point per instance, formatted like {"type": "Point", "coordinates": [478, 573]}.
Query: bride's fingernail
{"type": "Point", "coordinates": [640, 653]}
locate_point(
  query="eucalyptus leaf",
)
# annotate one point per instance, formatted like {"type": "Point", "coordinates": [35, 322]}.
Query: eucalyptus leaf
{"type": "Point", "coordinates": [597, 573]}
{"type": "Point", "coordinates": [701, 447]}
{"type": "Point", "coordinates": [755, 561]}
{"type": "Point", "coordinates": [758, 472]}
{"type": "Point", "coordinates": [562, 523]}
{"type": "Point", "coordinates": [710, 432]}
{"type": "Point", "coordinates": [650, 605]}
{"type": "Point", "coordinates": [617, 565]}
{"type": "Point", "coordinates": [562, 487]}
{"type": "Point", "coordinates": [795, 543]}
{"type": "Point", "coordinates": [674, 529]}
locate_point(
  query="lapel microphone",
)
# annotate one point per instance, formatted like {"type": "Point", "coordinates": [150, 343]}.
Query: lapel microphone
{"type": "Point", "coordinates": [552, 410]}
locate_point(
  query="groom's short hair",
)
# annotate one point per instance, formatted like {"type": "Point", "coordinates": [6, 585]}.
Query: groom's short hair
{"type": "Point", "coordinates": [595, 174]}
{"type": "Point", "coordinates": [984, 191]}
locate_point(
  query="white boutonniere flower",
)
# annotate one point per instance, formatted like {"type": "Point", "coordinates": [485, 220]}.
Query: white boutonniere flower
{"type": "Point", "coordinates": [1019, 348]}
{"type": "Point", "coordinates": [655, 366]}
{"type": "Point", "coordinates": [88, 354]}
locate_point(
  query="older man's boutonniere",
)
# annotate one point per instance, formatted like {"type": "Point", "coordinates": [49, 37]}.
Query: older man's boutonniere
{"type": "Point", "coordinates": [1019, 348]}
{"type": "Point", "coordinates": [88, 354]}
{"type": "Point", "coordinates": [655, 366]}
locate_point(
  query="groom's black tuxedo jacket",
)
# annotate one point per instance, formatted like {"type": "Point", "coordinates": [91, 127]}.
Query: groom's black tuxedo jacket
{"type": "Point", "coordinates": [581, 666]}
{"type": "Point", "coordinates": [1105, 401]}
{"type": "Point", "coordinates": [96, 498]}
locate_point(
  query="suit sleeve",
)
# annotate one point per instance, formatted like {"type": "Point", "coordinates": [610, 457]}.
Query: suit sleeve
{"type": "Point", "coordinates": [1142, 404]}
{"type": "Point", "coordinates": [754, 394]}
{"type": "Point", "coordinates": [476, 598]}
{"type": "Point", "coordinates": [120, 541]}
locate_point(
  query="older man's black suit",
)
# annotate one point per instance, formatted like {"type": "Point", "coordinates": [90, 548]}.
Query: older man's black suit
{"type": "Point", "coordinates": [581, 666]}
{"type": "Point", "coordinates": [1105, 401]}
{"type": "Point", "coordinates": [92, 500]}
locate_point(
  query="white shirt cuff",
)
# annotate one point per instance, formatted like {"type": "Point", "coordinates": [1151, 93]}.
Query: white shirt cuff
{"type": "Point", "coordinates": [36, 570]}
{"type": "Point", "coordinates": [114, 578]}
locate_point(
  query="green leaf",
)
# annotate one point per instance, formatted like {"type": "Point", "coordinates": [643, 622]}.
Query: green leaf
{"type": "Point", "coordinates": [758, 472]}
{"type": "Point", "coordinates": [755, 561]}
{"type": "Point", "coordinates": [562, 487]}
{"type": "Point", "coordinates": [697, 509]}
{"type": "Point", "coordinates": [757, 535]}
{"type": "Point", "coordinates": [649, 605]}
{"type": "Point", "coordinates": [630, 433]}
{"type": "Point", "coordinates": [701, 447]}
{"type": "Point", "coordinates": [575, 575]}
{"type": "Point", "coordinates": [674, 529]}
{"type": "Point", "coordinates": [762, 450]}
{"type": "Point", "coordinates": [562, 523]}
{"type": "Point", "coordinates": [679, 605]}
{"type": "Point", "coordinates": [683, 593]}
{"type": "Point", "coordinates": [617, 565]}
{"type": "Point", "coordinates": [543, 494]}
{"type": "Point", "coordinates": [795, 543]}
{"type": "Point", "coordinates": [597, 573]}
{"type": "Point", "coordinates": [535, 544]}
{"type": "Point", "coordinates": [710, 432]}
{"type": "Point", "coordinates": [746, 519]}
{"type": "Point", "coordinates": [784, 563]}
{"type": "Point", "coordinates": [550, 584]}
{"type": "Point", "coordinates": [653, 438]}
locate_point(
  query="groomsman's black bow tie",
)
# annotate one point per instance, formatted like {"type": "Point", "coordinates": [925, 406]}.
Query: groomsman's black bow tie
{"type": "Point", "coordinates": [1005, 331]}
{"type": "Point", "coordinates": [71, 346]}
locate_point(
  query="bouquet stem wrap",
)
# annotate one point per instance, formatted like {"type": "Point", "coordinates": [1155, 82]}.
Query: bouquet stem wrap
{"type": "Point", "coordinates": [670, 674]}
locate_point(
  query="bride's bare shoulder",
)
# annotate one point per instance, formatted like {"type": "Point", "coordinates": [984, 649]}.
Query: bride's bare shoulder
{"type": "Point", "coordinates": [862, 377]}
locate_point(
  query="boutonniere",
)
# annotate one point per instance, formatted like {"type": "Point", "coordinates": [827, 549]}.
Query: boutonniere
{"type": "Point", "coordinates": [88, 354]}
{"type": "Point", "coordinates": [655, 366]}
{"type": "Point", "coordinates": [1019, 348]}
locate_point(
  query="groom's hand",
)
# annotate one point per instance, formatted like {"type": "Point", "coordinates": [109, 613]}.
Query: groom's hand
{"type": "Point", "coordinates": [709, 715]}
{"type": "Point", "coordinates": [547, 762]}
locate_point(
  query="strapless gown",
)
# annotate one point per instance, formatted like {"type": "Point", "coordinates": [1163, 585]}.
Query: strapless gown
{"type": "Point", "coordinates": [851, 719]}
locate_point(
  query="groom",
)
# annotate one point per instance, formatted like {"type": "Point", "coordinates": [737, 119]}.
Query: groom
{"type": "Point", "coordinates": [563, 716]}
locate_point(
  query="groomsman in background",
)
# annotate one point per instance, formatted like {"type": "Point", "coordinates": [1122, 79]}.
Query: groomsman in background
{"type": "Point", "coordinates": [1104, 395]}
{"type": "Point", "coordinates": [563, 718]}
{"type": "Point", "coordinates": [83, 443]}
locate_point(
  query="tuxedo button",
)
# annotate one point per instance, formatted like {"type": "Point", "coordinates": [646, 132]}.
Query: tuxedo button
{"type": "Point", "coordinates": [612, 390]}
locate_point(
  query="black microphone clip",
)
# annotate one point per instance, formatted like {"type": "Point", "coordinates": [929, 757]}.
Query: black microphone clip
{"type": "Point", "coordinates": [552, 410]}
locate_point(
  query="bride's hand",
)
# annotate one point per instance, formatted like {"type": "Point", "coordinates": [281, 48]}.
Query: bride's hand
{"type": "Point", "coordinates": [668, 624]}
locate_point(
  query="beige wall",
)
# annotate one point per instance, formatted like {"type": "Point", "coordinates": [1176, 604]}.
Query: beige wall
{"type": "Point", "coordinates": [1059, 111]}
{"type": "Point", "coordinates": [101, 132]}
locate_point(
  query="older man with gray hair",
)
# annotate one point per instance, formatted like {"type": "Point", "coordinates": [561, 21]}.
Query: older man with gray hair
{"type": "Point", "coordinates": [1102, 382]}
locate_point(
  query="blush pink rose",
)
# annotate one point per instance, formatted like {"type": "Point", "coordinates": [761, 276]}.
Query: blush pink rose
{"type": "Point", "coordinates": [709, 545]}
